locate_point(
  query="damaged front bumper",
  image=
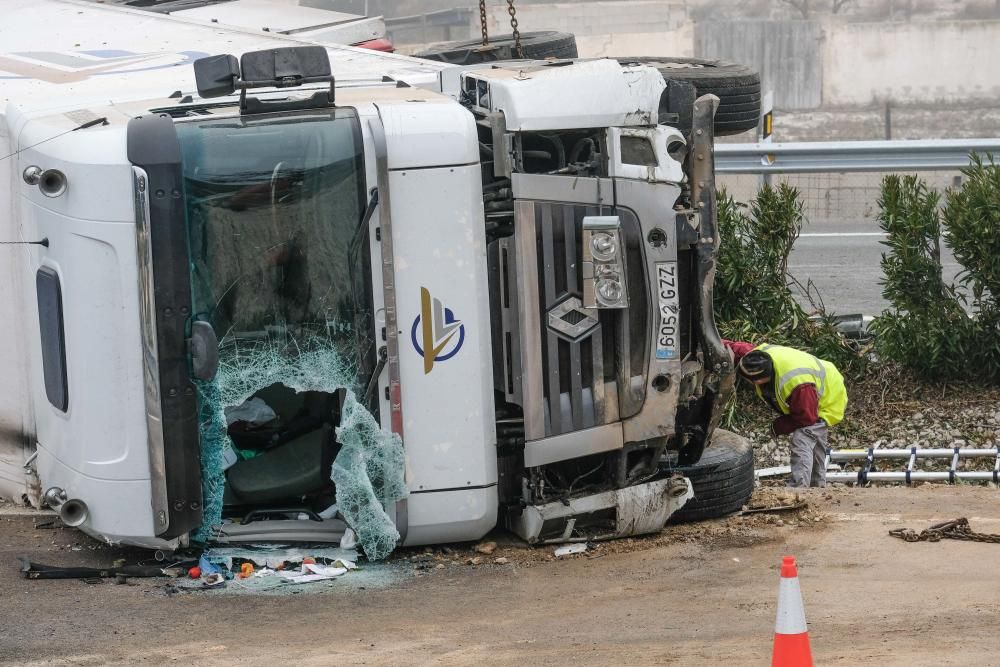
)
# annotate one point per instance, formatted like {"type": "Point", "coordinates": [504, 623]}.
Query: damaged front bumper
{"type": "Point", "coordinates": [635, 510]}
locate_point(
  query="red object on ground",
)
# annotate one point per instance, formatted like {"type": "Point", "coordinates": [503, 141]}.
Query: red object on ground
{"type": "Point", "coordinates": [246, 570]}
{"type": "Point", "coordinates": [791, 635]}
{"type": "Point", "coordinates": [194, 572]}
{"type": "Point", "coordinates": [380, 44]}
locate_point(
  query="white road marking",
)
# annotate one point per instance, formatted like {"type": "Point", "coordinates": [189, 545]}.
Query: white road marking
{"type": "Point", "coordinates": [835, 234]}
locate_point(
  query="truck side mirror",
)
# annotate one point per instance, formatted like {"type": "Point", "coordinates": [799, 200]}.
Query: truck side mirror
{"type": "Point", "coordinates": [204, 349]}
{"type": "Point", "coordinates": [281, 68]}
{"type": "Point", "coordinates": [216, 75]}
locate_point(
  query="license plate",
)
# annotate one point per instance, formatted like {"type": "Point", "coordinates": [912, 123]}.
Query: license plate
{"type": "Point", "coordinates": [666, 291]}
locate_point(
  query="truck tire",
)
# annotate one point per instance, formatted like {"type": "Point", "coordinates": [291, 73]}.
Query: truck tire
{"type": "Point", "coordinates": [536, 45]}
{"type": "Point", "coordinates": [722, 479]}
{"type": "Point", "coordinates": [736, 86]}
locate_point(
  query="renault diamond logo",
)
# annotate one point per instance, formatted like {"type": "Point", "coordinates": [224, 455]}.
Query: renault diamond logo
{"type": "Point", "coordinates": [441, 335]}
{"type": "Point", "coordinates": [571, 319]}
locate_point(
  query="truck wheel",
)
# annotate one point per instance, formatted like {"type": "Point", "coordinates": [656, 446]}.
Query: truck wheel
{"type": "Point", "coordinates": [723, 478]}
{"type": "Point", "coordinates": [536, 46]}
{"type": "Point", "coordinates": [736, 86]}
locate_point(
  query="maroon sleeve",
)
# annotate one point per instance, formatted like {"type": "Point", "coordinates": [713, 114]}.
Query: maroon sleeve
{"type": "Point", "coordinates": [803, 408]}
{"type": "Point", "coordinates": [738, 348]}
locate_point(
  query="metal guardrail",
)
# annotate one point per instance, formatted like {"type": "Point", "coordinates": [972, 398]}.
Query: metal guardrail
{"type": "Point", "coordinates": [850, 156]}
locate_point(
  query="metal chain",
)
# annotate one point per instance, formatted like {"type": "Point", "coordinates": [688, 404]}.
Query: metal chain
{"type": "Point", "coordinates": [956, 529]}
{"type": "Point", "coordinates": [482, 22]}
{"type": "Point", "coordinates": [513, 26]}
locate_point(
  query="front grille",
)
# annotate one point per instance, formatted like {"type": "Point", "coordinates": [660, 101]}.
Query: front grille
{"type": "Point", "coordinates": [582, 357]}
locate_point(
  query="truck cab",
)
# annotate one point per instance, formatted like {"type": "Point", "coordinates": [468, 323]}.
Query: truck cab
{"type": "Point", "coordinates": [293, 305]}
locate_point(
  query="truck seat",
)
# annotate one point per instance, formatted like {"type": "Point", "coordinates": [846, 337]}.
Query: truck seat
{"type": "Point", "coordinates": [294, 469]}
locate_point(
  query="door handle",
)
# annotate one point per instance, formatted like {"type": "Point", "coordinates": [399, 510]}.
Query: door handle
{"type": "Point", "coordinates": [204, 348]}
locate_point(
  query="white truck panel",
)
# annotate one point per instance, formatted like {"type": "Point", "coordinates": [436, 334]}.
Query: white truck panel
{"type": "Point", "coordinates": [105, 500]}
{"type": "Point", "coordinates": [289, 18]}
{"type": "Point", "coordinates": [96, 53]}
{"type": "Point", "coordinates": [439, 247]}
{"type": "Point", "coordinates": [536, 98]}
{"type": "Point", "coordinates": [274, 15]}
{"type": "Point", "coordinates": [102, 434]}
{"type": "Point", "coordinates": [440, 266]}
{"type": "Point", "coordinates": [470, 514]}
{"type": "Point", "coordinates": [15, 410]}
{"type": "Point", "coordinates": [98, 175]}
{"type": "Point", "coordinates": [434, 132]}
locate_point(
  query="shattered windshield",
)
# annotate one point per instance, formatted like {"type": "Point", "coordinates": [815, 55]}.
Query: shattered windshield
{"type": "Point", "coordinates": [272, 204]}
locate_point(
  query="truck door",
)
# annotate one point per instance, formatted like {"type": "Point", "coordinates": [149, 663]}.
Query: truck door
{"type": "Point", "coordinates": [252, 255]}
{"type": "Point", "coordinates": [165, 314]}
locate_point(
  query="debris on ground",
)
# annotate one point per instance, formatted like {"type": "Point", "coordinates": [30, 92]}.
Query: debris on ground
{"type": "Point", "coordinates": [956, 529]}
{"type": "Point", "coordinates": [486, 548]}
{"type": "Point", "coordinates": [757, 508]}
{"type": "Point", "coordinates": [736, 530]}
{"type": "Point", "coordinates": [252, 567]}
{"type": "Point", "coordinates": [570, 549]}
{"type": "Point", "coordinates": [31, 570]}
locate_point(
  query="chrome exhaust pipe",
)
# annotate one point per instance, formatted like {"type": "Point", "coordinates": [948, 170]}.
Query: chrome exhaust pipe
{"type": "Point", "coordinates": [74, 513]}
{"type": "Point", "coordinates": [52, 182]}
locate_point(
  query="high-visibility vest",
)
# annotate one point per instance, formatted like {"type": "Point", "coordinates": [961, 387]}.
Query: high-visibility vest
{"type": "Point", "coordinates": [793, 368]}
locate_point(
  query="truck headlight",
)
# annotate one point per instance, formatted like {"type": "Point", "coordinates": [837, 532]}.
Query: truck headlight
{"type": "Point", "coordinates": [603, 247]}
{"type": "Point", "coordinates": [603, 263]}
{"type": "Point", "coordinates": [609, 292]}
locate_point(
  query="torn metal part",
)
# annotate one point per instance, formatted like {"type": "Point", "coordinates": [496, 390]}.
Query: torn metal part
{"type": "Point", "coordinates": [635, 510]}
{"type": "Point", "coordinates": [30, 570]}
{"type": "Point", "coordinates": [778, 508]}
{"type": "Point", "coordinates": [570, 549]}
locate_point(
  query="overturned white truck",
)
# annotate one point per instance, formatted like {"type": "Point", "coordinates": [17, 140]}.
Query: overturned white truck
{"type": "Point", "coordinates": [297, 288]}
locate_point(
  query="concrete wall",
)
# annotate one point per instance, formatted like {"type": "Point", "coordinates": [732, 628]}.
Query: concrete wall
{"type": "Point", "coordinates": [947, 62]}
{"type": "Point", "coordinates": [787, 54]}
{"type": "Point", "coordinates": [593, 18]}
{"type": "Point", "coordinates": [679, 42]}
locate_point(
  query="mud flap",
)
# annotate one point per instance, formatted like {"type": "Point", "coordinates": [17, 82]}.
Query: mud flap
{"type": "Point", "coordinates": [636, 510]}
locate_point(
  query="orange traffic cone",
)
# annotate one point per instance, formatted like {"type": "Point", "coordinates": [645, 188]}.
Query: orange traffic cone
{"type": "Point", "coordinates": [791, 636]}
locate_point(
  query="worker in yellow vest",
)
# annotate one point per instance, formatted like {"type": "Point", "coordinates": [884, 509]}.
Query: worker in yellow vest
{"type": "Point", "coordinates": [807, 392]}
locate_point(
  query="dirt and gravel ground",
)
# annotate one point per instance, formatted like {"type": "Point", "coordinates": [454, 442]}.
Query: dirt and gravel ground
{"type": "Point", "coordinates": [695, 595]}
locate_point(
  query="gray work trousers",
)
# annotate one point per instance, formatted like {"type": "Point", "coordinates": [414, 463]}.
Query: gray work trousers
{"type": "Point", "coordinates": [808, 456]}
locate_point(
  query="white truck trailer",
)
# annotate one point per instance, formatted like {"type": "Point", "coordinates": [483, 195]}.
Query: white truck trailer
{"type": "Point", "coordinates": [291, 276]}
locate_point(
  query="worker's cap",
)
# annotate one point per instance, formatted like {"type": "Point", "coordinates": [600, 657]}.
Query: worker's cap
{"type": "Point", "coordinates": [755, 366]}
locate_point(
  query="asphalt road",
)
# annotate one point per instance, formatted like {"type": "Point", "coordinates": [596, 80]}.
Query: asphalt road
{"type": "Point", "coordinates": [700, 594]}
{"type": "Point", "coordinates": [842, 261]}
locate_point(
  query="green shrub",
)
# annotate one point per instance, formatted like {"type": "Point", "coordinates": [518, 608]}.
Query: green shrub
{"type": "Point", "coordinates": [753, 294]}
{"type": "Point", "coordinates": [927, 328]}
{"type": "Point", "coordinates": [972, 231]}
